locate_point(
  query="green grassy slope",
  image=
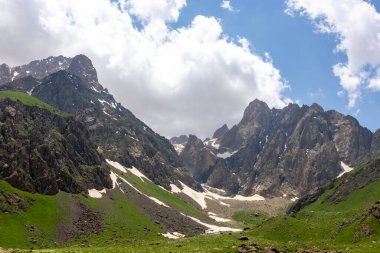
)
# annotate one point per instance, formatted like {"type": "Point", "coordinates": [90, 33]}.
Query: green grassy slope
{"type": "Point", "coordinates": [344, 225]}
{"type": "Point", "coordinates": [153, 190]}
{"type": "Point", "coordinates": [123, 223]}
{"type": "Point", "coordinates": [29, 101]}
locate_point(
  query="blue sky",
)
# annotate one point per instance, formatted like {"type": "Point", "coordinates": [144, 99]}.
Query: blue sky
{"type": "Point", "coordinates": [304, 57]}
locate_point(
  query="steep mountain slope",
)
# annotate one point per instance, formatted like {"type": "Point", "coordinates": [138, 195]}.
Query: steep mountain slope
{"type": "Point", "coordinates": [289, 151]}
{"type": "Point", "coordinates": [119, 135]}
{"type": "Point", "coordinates": [42, 151]}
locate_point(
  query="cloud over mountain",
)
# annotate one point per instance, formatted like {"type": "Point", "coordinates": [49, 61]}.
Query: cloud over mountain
{"type": "Point", "coordinates": [178, 80]}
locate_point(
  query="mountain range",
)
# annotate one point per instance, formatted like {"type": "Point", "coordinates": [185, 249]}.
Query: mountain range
{"type": "Point", "coordinates": [78, 169]}
{"type": "Point", "coordinates": [280, 152]}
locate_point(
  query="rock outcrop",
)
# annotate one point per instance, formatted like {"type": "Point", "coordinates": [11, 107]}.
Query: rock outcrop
{"type": "Point", "coordinates": [43, 152]}
{"type": "Point", "coordinates": [198, 158]}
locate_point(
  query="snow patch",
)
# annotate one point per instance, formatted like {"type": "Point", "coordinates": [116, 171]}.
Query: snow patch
{"type": "Point", "coordinates": [137, 173]}
{"type": "Point", "coordinates": [345, 168]}
{"type": "Point", "coordinates": [93, 193]}
{"type": "Point", "coordinates": [212, 229]}
{"type": "Point", "coordinates": [134, 171]}
{"type": "Point", "coordinates": [94, 89]}
{"type": "Point", "coordinates": [224, 204]}
{"type": "Point", "coordinates": [174, 235]}
{"type": "Point", "coordinates": [30, 92]}
{"type": "Point", "coordinates": [178, 148]}
{"type": "Point", "coordinates": [157, 201]}
{"type": "Point", "coordinates": [294, 199]}
{"type": "Point", "coordinates": [175, 189]}
{"type": "Point", "coordinates": [226, 154]}
{"type": "Point", "coordinates": [117, 165]}
{"type": "Point", "coordinates": [255, 197]}
{"type": "Point", "coordinates": [212, 143]}
{"type": "Point", "coordinates": [200, 197]}
{"type": "Point", "coordinates": [114, 180]}
{"type": "Point", "coordinates": [216, 218]}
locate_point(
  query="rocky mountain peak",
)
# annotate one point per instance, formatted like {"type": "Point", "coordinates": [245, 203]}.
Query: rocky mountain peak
{"type": "Point", "coordinates": [255, 110]}
{"type": "Point", "coordinates": [257, 114]}
{"type": "Point", "coordinates": [82, 66]}
{"type": "Point", "coordinates": [5, 73]}
{"type": "Point", "coordinates": [38, 69]}
{"type": "Point", "coordinates": [316, 108]}
{"type": "Point", "coordinates": [286, 151]}
{"type": "Point", "coordinates": [220, 131]}
{"type": "Point", "coordinates": [194, 140]}
{"type": "Point", "coordinates": [182, 139]}
{"type": "Point", "coordinates": [257, 118]}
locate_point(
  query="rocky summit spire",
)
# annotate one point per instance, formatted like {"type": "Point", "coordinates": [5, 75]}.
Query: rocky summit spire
{"type": "Point", "coordinates": [82, 66]}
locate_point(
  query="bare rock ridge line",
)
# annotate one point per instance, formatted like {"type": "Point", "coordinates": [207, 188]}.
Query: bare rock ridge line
{"type": "Point", "coordinates": [71, 85]}
{"type": "Point", "coordinates": [285, 152]}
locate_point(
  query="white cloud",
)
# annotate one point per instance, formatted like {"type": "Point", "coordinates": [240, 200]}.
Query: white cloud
{"type": "Point", "coordinates": [227, 6]}
{"type": "Point", "coordinates": [187, 80]}
{"type": "Point", "coordinates": [357, 26]}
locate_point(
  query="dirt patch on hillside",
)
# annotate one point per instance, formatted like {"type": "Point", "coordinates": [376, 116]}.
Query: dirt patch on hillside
{"type": "Point", "coordinates": [82, 221]}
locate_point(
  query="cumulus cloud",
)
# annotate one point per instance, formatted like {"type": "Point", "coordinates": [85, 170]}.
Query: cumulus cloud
{"type": "Point", "coordinates": [357, 26]}
{"type": "Point", "coordinates": [186, 80]}
{"type": "Point", "coordinates": [227, 6]}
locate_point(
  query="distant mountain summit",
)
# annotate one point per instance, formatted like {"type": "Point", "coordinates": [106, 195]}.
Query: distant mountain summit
{"type": "Point", "coordinates": [179, 140]}
{"type": "Point", "coordinates": [37, 69]}
{"type": "Point", "coordinates": [282, 152]}
{"type": "Point", "coordinates": [71, 85]}
{"type": "Point", "coordinates": [220, 132]}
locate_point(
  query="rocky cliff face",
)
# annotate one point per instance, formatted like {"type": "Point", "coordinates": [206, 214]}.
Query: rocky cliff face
{"type": "Point", "coordinates": [289, 152]}
{"type": "Point", "coordinates": [198, 158]}
{"type": "Point", "coordinates": [44, 152]}
{"type": "Point", "coordinates": [119, 135]}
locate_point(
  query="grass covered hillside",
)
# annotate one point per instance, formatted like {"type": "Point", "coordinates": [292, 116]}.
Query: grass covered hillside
{"type": "Point", "coordinates": [29, 101]}
{"type": "Point", "coordinates": [123, 219]}
{"type": "Point", "coordinates": [346, 217]}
